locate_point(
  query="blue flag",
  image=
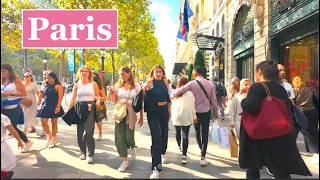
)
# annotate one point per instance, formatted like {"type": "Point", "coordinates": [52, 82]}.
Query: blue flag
{"type": "Point", "coordinates": [184, 22]}
{"type": "Point", "coordinates": [70, 60]}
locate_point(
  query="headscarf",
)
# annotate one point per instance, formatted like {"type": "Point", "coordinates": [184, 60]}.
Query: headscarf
{"type": "Point", "coordinates": [242, 83]}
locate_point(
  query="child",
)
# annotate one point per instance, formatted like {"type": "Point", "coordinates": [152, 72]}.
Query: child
{"type": "Point", "coordinates": [8, 160]}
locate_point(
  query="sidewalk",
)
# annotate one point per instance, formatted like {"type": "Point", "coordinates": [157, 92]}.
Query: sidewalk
{"type": "Point", "coordinates": [63, 160]}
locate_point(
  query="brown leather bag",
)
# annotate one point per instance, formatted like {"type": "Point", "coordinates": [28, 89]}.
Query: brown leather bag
{"type": "Point", "coordinates": [26, 102]}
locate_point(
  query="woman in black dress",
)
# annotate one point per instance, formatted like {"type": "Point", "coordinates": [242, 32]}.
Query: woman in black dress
{"type": "Point", "coordinates": [279, 154]}
{"type": "Point", "coordinates": [51, 106]}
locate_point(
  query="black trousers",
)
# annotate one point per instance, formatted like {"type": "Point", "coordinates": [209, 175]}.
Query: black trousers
{"type": "Point", "coordinates": [202, 131]}
{"type": "Point", "coordinates": [311, 137]}
{"type": "Point", "coordinates": [14, 115]}
{"type": "Point", "coordinates": [158, 124]}
{"type": "Point", "coordinates": [185, 138]}
{"type": "Point", "coordinates": [254, 173]}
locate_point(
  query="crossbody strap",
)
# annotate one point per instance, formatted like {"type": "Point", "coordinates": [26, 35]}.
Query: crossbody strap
{"type": "Point", "coordinates": [204, 91]}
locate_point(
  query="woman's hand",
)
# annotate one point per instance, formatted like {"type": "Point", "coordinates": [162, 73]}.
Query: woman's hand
{"type": "Point", "coordinates": [147, 86]}
{"type": "Point", "coordinates": [140, 121]}
{"type": "Point", "coordinates": [162, 103]}
{"type": "Point", "coordinates": [20, 144]}
{"type": "Point", "coordinates": [57, 110]}
{"type": "Point", "coordinates": [6, 93]}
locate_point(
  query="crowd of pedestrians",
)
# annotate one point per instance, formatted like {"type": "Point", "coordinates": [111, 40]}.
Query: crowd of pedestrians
{"type": "Point", "coordinates": [189, 103]}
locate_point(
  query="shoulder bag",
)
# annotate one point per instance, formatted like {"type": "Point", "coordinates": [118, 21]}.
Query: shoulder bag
{"type": "Point", "coordinates": [120, 110]}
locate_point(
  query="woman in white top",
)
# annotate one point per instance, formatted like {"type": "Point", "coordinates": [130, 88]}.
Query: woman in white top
{"type": "Point", "coordinates": [125, 91]}
{"type": "Point", "coordinates": [8, 160]}
{"type": "Point", "coordinates": [234, 108]}
{"type": "Point", "coordinates": [12, 89]}
{"type": "Point", "coordinates": [86, 93]}
{"type": "Point", "coordinates": [30, 112]}
{"type": "Point", "coordinates": [183, 115]}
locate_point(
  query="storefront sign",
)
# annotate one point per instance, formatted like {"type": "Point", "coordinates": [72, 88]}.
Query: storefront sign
{"type": "Point", "coordinates": [296, 15]}
{"type": "Point", "coordinates": [69, 28]}
{"type": "Point", "coordinates": [243, 46]}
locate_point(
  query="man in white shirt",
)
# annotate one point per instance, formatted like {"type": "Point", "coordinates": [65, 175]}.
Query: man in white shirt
{"type": "Point", "coordinates": [285, 84]}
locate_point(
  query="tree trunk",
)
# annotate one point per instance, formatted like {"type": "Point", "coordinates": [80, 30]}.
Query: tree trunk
{"type": "Point", "coordinates": [113, 66]}
{"type": "Point", "coordinates": [84, 52]}
{"type": "Point", "coordinates": [61, 62]}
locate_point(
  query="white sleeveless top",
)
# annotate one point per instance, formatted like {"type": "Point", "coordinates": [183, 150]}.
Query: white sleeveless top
{"type": "Point", "coordinates": [85, 92]}
{"type": "Point", "coordinates": [12, 88]}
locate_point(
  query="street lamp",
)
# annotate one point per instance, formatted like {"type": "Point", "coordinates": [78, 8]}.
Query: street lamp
{"type": "Point", "coordinates": [102, 59]}
{"type": "Point", "coordinates": [45, 60]}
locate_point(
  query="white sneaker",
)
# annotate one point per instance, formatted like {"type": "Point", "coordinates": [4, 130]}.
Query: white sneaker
{"type": "Point", "coordinates": [203, 161]}
{"type": "Point", "coordinates": [99, 137]}
{"type": "Point", "coordinates": [124, 165]}
{"type": "Point", "coordinates": [89, 160]}
{"type": "Point", "coordinates": [82, 157]}
{"type": "Point", "coordinates": [163, 159]}
{"type": "Point", "coordinates": [155, 174]}
{"type": "Point", "coordinates": [268, 171]}
{"type": "Point", "coordinates": [133, 152]}
{"type": "Point", "coordinates": [184, 159]}
{"type": "Point", "coordinates": [26, 147]}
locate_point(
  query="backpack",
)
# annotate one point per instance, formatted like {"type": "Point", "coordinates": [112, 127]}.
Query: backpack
{"type": "Point", "coordinates": [220, 89]}
{"type": "Point", "coordinates": [137, 102]}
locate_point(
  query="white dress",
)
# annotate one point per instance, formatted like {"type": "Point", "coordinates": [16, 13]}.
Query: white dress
{"type": "Point", "coordinates": [31, 112]}
{"type": "Point", "coordinates": [183, 110]}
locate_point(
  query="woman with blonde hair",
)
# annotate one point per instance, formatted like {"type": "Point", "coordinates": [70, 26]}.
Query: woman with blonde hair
{"type": "Point", "coordinates": [157, 104]}
{"type": "Point", "coordinates": [234, 107]}
{"type": "Point", "coordinates": [125, 91]}
{"type": "Point", "coordinates": [86, 94]}
{"type": "Point", "coordinates": [30, 112]}
{"type": "Point", "coordinates": [304, 101]}
{"type": "Point", "coordinates": [234, 88]}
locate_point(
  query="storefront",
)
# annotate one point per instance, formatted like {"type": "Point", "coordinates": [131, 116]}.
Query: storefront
{"type": "Point", "coordinates": [294, 34]}
{"type": "Point", "coordinates": [243, 43]}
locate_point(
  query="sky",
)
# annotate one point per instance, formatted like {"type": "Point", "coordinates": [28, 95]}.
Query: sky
{"type": "Point", "coordinates": [165, 15]}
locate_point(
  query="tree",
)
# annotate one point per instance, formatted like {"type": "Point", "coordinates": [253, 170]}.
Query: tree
{"type": "Point", "coordinates": [200, 61]}
{"type": "Point", "coordinates": [189, 71]}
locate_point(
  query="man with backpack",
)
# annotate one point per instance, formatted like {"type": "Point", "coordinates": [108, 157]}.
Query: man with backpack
{"type": "Point", "coordinates": [221, 94]}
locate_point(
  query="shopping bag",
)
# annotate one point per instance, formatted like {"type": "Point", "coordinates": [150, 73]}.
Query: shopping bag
{"type": "Point", "coordinates": [215, 133]}
{"type": "Point", "coordinates": [233, 144]}
{"type": "Point", "coordinates": [224, 139]}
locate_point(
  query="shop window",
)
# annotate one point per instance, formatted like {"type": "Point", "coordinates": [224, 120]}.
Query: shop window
{"type": "Point", "coordinates": [222, 25]}
{"type": "Point", "coordinates": [217, 30]}
{"type": "Point", "coordinates": [301, 58]}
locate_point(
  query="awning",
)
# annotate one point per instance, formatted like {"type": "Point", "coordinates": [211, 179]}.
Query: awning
{"type": "Point", "coordinates": [207, 42]}
{"type": "Point", "coordinates": [178, 68]}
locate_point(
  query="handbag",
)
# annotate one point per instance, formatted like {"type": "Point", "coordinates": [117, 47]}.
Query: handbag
{"type": "Point", "coordinates": [224, 143]}
{"type": "Point", "coordinates": [273, 120]}
{"type": "Point", "coordinates": [26, 102]}
{"type": "Point", "coordinates": [101, 112]}
{"type": "Point", "coordinates": [120, 110]}
{"type": "Point", "coordinates": [234, 149]}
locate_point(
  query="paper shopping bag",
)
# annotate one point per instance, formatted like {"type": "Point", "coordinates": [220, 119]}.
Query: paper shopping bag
{"type": "Point", "coordinates": [234, 149]}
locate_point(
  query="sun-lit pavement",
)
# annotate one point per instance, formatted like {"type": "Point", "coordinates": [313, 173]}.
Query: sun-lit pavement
{"type": "Point", "coordinates": [63, 160]}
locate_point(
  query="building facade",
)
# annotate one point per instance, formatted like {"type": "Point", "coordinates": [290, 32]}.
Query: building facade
{"type": "Point", "coordinates": [286, 31]}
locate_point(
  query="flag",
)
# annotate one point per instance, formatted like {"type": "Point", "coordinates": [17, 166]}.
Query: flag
{"type": "Point", "coordinates": [70, 60]}
{"type": "Point", "coordinates": [81, 58]}
{"type": "Point", "coordinates": [184, 23]}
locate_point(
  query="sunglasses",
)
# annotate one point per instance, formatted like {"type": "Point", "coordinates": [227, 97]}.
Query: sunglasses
{"type": "Point", "coordinates": [27, 76]}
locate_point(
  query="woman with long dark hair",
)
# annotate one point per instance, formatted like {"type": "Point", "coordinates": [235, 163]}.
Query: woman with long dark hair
{"type": "Point", "coordinates": [51, 106]}
{"type": "Point", "coordinates": [12, 89]}
{"type": "Point", "coordinates": [125, 91]}
{"type": "Point", "coordinates": [157, 104]}
{"type": "Point", "coordinates": [279, 154]}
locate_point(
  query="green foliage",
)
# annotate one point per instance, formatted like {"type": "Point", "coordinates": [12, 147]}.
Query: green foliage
{"type": "Point", "coordinates": [138, 46]}
{"type": "Point", "coordinates": [200, 61]}
{"type": "Point", "coordinates": [189, 71]}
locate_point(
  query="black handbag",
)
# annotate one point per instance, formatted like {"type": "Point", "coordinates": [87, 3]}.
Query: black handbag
{"type": "Point", "coordinates": [137, 102]}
